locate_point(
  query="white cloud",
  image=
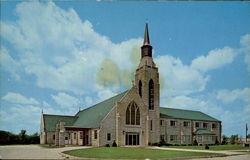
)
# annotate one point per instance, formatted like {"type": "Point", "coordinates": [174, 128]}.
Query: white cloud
{"type": "Point", "coordinates": [19, 99]}
{"type": "Point", "coordinates": [232, 120]}
{"type": "Point", "coordinates": [8, 63]}
{"type": "Point", "coordinates": [215, 59]}
{"type": "Point", "coordinates": [65, 100]}
{"type": "Point", "coordinates": [228, 96]}
{"type": "Point", "coordinates": [66, 53]}
{"type": "Point", "coordinates": [245, 42]}
{"type": "Point", "coordinates": [179, 79]}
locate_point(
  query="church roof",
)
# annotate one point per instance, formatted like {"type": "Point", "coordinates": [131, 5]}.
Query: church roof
{"type": "Point", "coordinates": [146, 36]}
{"type": "Point", "coordinates": [203, 131]}
{"type": "Point", "coordinates": [88, 118]}
{"type": "Point", "coordinates": [185, 114]}
{"type": "Point", "coordinates": [91, 117]}
{"type": "Point", "coordinates": [50, 121]}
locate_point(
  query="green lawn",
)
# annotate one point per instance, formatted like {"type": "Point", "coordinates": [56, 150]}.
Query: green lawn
{"type": "Point", "coordinates": [132, 153]}
{"type": "Point", "coordinates": [216, 147]}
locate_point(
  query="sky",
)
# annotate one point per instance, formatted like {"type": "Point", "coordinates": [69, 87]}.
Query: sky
{"type": "Point", "coordinates": [62, 56]}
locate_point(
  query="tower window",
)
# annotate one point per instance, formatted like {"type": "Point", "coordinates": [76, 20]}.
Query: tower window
{"type": "Point", "coordinates": [151, 125]}
{"type": "Point", "coordinates": [133, 114]}
{"type": "Point", "coordinates": [151, 95]}
{"type": "Point", "coordinates": [140, 88]}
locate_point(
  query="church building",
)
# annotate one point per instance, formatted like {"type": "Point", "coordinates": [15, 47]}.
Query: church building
{"type": "Point", "coordinates": [133, 117]}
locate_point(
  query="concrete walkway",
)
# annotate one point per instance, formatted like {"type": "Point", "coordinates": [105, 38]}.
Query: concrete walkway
{"type": "Point", "coordinates": [231, 155]}
{"type": "Point", "coordinates": [35, 152]}
{"type": "Point", "coordinates": [194, 150]}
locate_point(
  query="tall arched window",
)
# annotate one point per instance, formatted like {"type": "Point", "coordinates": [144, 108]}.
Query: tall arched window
{"type": "Point", "coordinates": [133, 114]}
{"type": "Point", "coordinates": [151, 95]}
{"type": "Point", "coordinates": [140, 87]}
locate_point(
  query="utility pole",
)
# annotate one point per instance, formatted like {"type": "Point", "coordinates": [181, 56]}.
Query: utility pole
{"type": "Point", "coordinates": [246, 132]}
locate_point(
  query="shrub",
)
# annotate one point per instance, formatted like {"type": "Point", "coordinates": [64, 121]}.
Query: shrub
{"type": "Point", "coordinates": [107, 145]}
{"type": "Point", "coordinates": [206, 146]}
{"type": "Point", "coordinates": [114, 144]}
{"type": "Point", "coordinates": [195, 143]}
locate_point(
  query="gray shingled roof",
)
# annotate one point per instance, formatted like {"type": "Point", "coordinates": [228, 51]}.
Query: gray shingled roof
{"type": "Point", "coordinates": [50, 121]}
{"type": "Point", "coordinates": [91, 117]}
{"type": "Point", "coordinates": [185, 114]}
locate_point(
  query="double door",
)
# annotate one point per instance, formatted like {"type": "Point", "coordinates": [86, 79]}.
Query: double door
{"type": "Point", "coordinates": [132, 139]}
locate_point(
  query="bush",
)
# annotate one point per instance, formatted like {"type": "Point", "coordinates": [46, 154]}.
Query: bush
{"type": "Point", "coordinates": [162, 143]}
{"type": "Point", "coordinates": [217, 142]}
{"type": "Point", "coordinates": [206, 146]}
{"type": "Point", "coordinates": [195, 143]}
{"type": "Point", "coordinates": [155, 144]}
{"type": "Point", "coordinates": [107, 145]}
{"type": "Point", "coordinates": [234, 139]}
{"type": "Point", "coordinates": [114, 144]}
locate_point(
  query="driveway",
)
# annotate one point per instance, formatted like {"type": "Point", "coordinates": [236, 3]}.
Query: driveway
{"type": "Point", "coordinates": [34, 152]}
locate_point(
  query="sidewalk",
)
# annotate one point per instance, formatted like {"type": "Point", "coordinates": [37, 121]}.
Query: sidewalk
{"type": "Point", "coordinates": [230, 155]}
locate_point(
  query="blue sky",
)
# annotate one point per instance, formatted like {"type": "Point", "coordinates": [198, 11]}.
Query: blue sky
{"type": "Point", "coordinates": [62, 55]}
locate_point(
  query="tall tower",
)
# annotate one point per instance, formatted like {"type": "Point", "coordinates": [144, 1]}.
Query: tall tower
{"type": "Point", "coordinates": [147, 82]}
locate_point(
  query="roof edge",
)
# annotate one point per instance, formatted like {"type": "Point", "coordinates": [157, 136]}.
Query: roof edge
{"type": "Point", "coordinates": [59, 115]}
{"type": "Point", "coordinates": [100, 102]}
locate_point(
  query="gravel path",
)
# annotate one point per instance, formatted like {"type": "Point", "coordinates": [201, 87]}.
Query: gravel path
{"type": "Point", "coordinates": [34, 152]}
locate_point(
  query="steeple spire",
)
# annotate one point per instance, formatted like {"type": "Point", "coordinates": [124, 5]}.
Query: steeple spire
{"type": "Point", "coordinates": [146, 49]}
{"type": "Point", "coordinates": [146, 36]}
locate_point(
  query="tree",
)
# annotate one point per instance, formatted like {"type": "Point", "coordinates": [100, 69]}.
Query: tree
{"type": "Point", "coordinates": [224, 140]}
{"type": "Point", "coordinates": [195, 143]}
{"type": "Point", "coordinates": [248, 136]}
{"type": "Point", "coordinates": [234, 139]}
{"type": "Point", "coordinates": [23, 136]}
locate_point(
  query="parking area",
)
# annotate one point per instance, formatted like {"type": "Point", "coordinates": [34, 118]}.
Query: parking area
{"type": "Point", "coordinates": [34, 152]}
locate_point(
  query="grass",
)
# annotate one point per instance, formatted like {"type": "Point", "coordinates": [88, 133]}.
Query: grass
{"type": "Point", "coordinates": [215, 147]}
{"type": "Point", "coordinates": [132, 153]}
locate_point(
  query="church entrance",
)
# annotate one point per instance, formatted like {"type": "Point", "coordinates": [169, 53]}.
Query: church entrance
{"type": "Point", "coordinates": [132, 139]}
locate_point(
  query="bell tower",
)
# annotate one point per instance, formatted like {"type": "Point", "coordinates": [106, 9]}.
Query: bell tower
{"type": "Point", "coordinates": [147, 83]}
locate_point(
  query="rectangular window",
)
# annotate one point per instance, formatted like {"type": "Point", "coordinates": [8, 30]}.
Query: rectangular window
{"type": "Point", "coordinates": [151, 125]}
{"type": "Point", "coordinates": [161, 122]}
{"type": "Point", "coordinates": [95, 134]}
{"type": "Point", "coordinates": [162, 137]}
{"type": "Point", "coordinates": [214, 138]}
{"type": "Point", "coordinates": [187, 139]}
{"type": "Point", "coordinates": [207, 139]}
{"type": "Point", "coordinates": [205, 125]}
{"type": "Point", "coordinates": [173, 138]}
{"type": "Point", "coordinates": [81, 135]}
{"type": "Point", "coordinates": [108, 136]}
{"type": "Point", "coordinates": [66, 138]}
{"type": "Point", "coordinates": [54, 137]}
{"type": "Point", "coordinates": [172, 123]}
{"type": "Point", "coordinates": [186, 124]}
{"type": "Point", "coordinates": [214, 125]}
{"type": "Point", "coordinates": [74, 135]}
{"type": "Point", "coordinates": [197, 124]}
{"type": "Point", "coordinates": [199, 138]}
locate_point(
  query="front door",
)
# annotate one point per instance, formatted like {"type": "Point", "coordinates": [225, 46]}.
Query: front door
{"type": "Point", "coordinates": [132, 139]}
{"type": "Point", "coordinates": [85, 138]}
